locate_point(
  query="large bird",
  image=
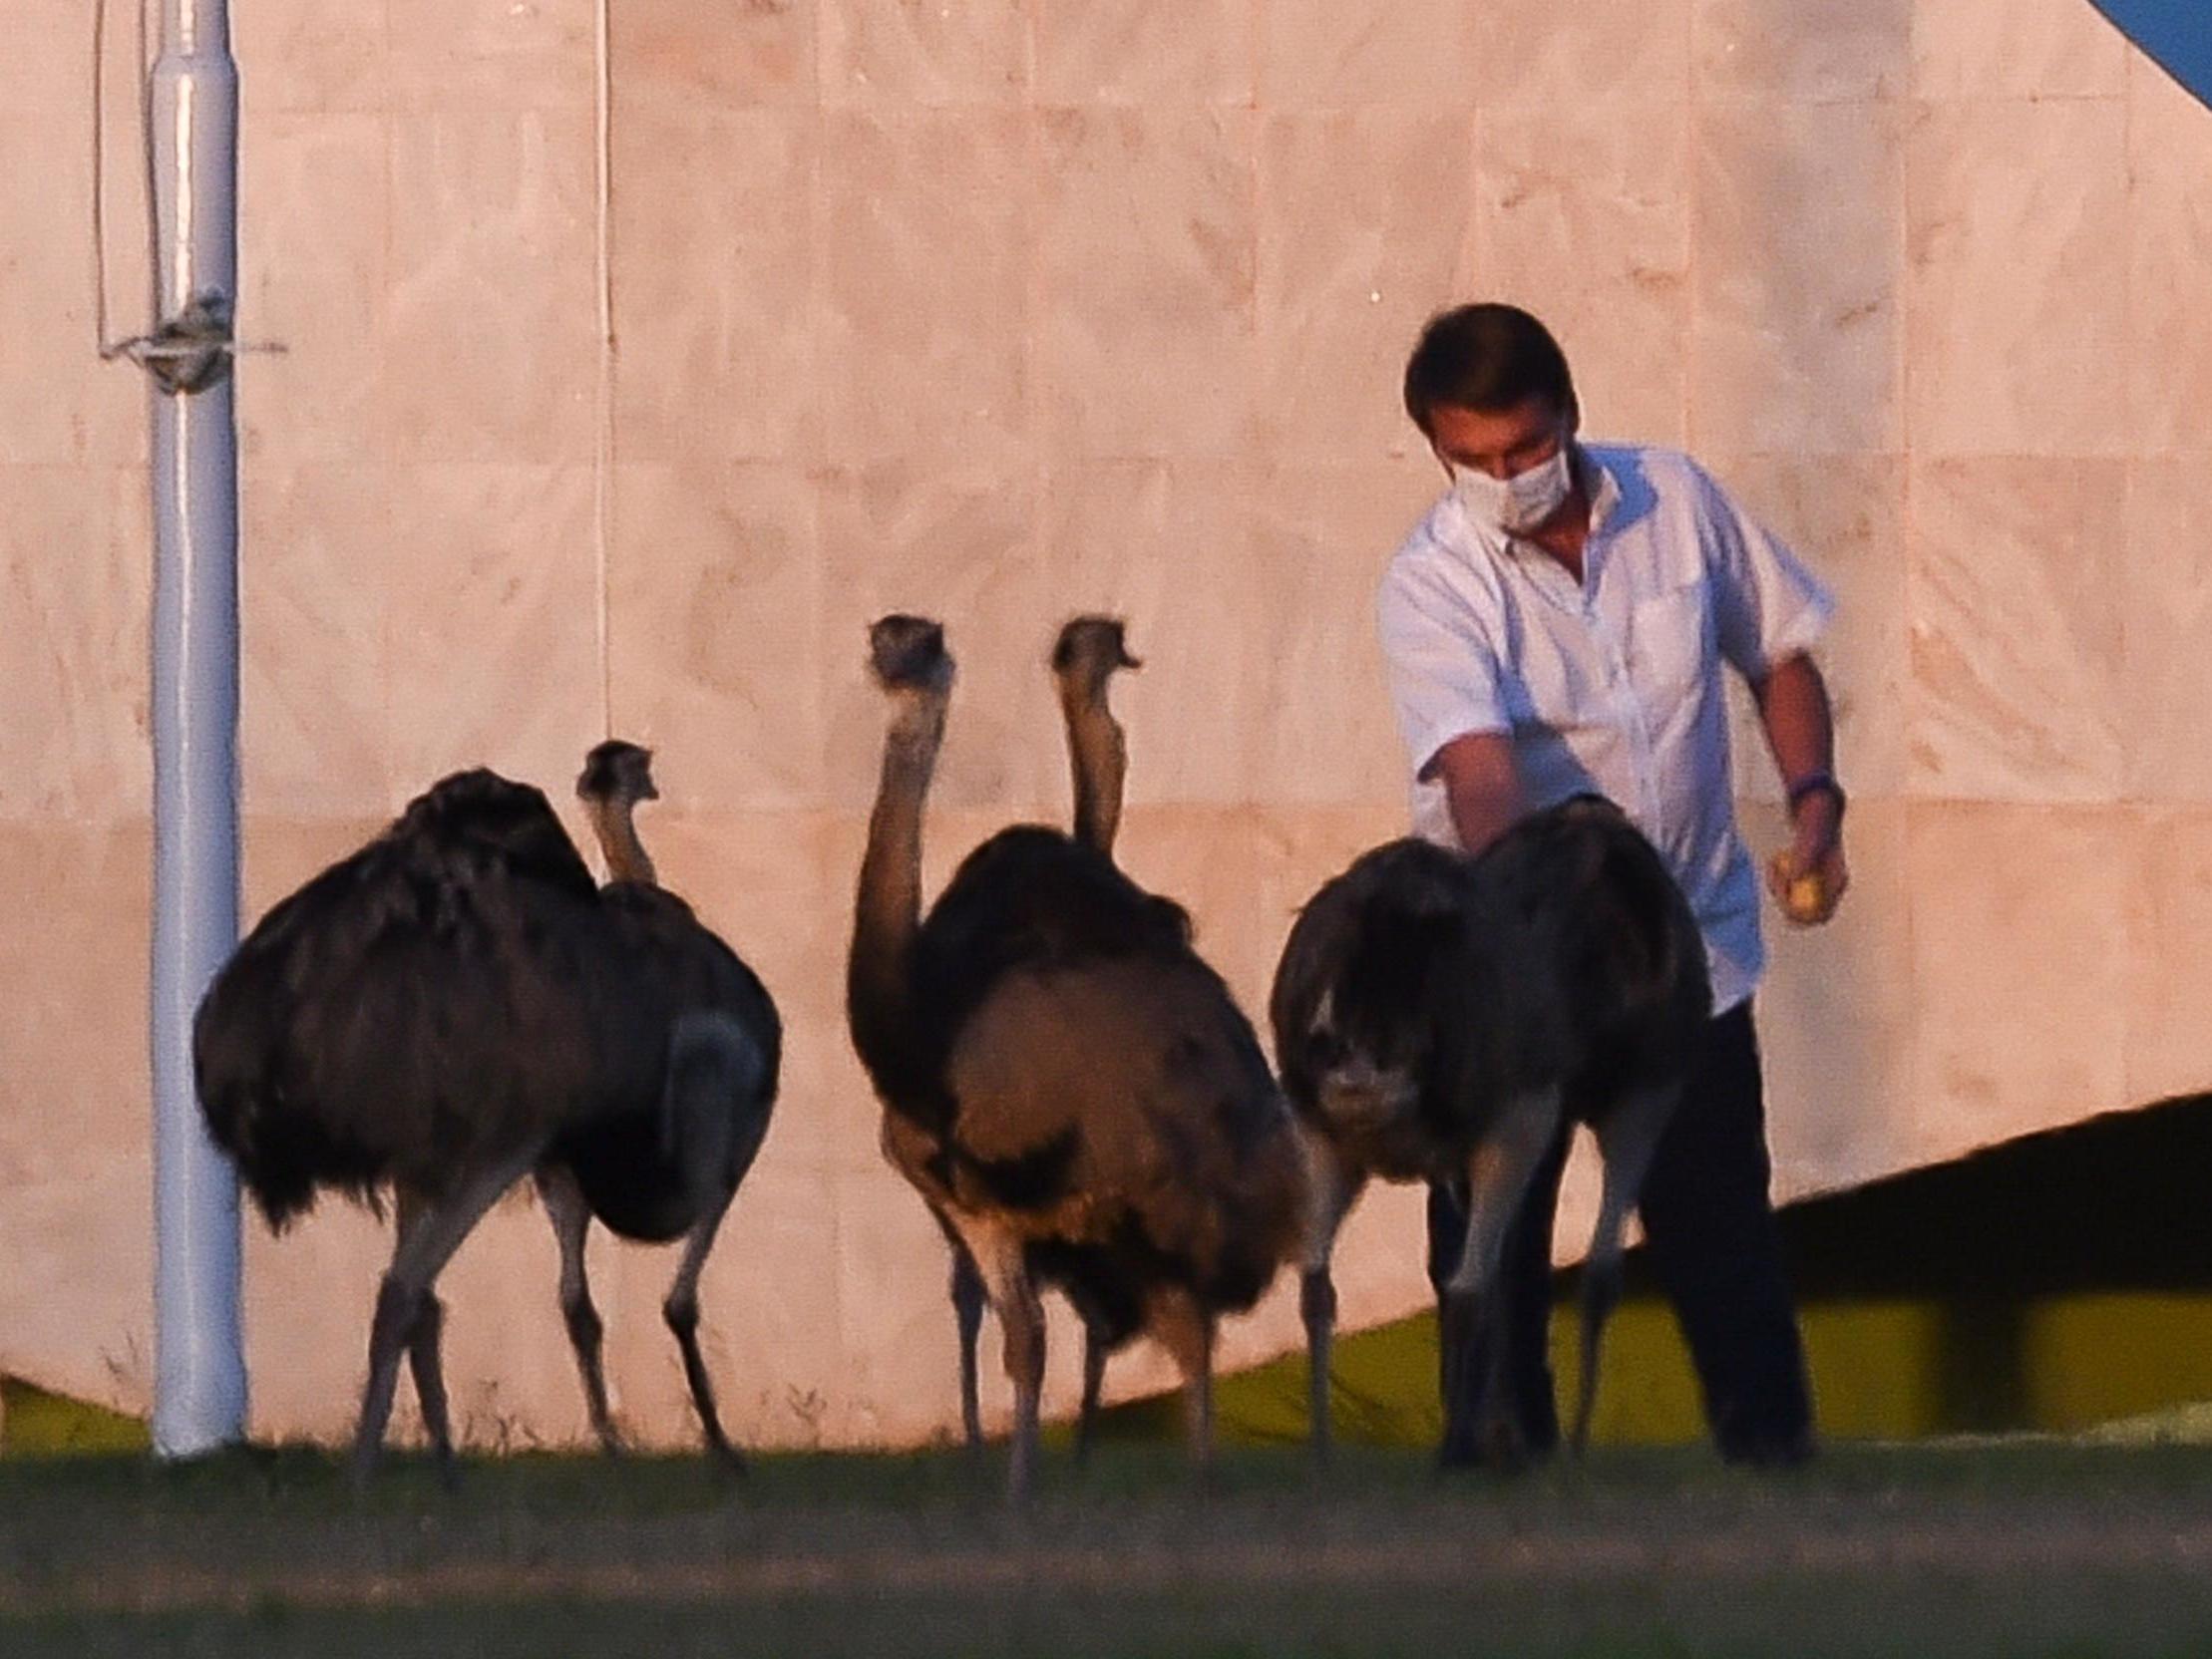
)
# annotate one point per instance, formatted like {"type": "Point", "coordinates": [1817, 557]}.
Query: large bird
{"type": "Point", "coordinates": [1072, 1091]}
{"type": "Point", "coordinates": [1444, 1019]}
{"type": "Point", "coordinates": [429, 1018]}
{"type": "Point", "coordinates": [656, 1177]}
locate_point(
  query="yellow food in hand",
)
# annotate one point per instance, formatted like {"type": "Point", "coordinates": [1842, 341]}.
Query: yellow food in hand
{"type": "Point", "coordinates": [1806, 898]}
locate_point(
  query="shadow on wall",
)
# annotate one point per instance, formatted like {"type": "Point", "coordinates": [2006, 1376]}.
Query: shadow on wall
{"type": "Point", "coordinates": [2052, 1283]}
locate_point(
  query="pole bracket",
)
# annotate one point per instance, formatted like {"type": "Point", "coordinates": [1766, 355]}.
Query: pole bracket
{"type": "Point", "coordinates": [193, 350]}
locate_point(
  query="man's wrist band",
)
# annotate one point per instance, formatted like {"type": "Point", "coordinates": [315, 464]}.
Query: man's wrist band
{"type": "Point", "coordinates": [1817, 782]}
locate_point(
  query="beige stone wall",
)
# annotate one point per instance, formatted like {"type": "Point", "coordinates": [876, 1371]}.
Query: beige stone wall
{"type": "Point", "coordinates": [1000, 308]}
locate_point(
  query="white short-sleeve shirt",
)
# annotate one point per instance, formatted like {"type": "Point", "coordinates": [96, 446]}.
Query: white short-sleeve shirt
{"type": "Point", "coordinates": [1614, 686]}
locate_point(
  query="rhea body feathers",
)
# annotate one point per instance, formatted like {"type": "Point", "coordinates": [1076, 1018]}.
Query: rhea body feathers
{"type": "Point", "coordinates": [448, 991]}
{"type": "Point", "coordinates": [1070, 1087]}
{"type": "Point", "coordinates": [1443, 1019]}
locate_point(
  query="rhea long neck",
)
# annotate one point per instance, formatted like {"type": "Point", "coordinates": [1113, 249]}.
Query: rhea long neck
{"type": "Point", "coordinates": [612, 820]}
{"type": "Point", "coordinates": [1098, 759]}
{"type": "Point", "coordinates": [887, 913]}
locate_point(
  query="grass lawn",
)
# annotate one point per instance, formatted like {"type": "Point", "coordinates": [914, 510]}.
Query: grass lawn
{"type": "Point", "coordinates": [2043, 1549]}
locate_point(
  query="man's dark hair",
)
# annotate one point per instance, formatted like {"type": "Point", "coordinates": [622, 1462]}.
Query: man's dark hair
{"type": "Point", "coordinates": [1486, 357]}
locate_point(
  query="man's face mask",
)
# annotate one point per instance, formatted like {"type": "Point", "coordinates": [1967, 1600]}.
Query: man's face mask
{"type": "Point", "coordinates": [1520, 504]}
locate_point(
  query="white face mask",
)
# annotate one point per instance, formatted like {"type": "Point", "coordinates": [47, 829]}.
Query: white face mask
{"type": "Point", "coordinates": [1520, 504]}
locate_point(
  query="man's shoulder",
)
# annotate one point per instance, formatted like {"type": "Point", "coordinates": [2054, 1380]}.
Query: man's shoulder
{"type": "Point", "coordinates": [1658, 493]}
{"type": "Point", "coordinates": [1430, 532]}
{"type": "Point", "coordinates": [1425, 546]}
{"type": "Point", "coordinates": [1436, 558]}
{"type": "Point", "coordinates": [1665, 474]}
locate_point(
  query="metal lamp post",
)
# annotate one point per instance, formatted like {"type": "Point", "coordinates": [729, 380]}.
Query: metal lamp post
{"type": "Point", "coordinates": [193, 126]}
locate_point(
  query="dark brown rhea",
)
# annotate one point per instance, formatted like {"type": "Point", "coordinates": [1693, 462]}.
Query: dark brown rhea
{"type": "Point", "coordinates": [908, 653]}
{"type": "Point", "coordinates": [617, 771]}
{"type": "Point", "coordinates": [1094, 647]}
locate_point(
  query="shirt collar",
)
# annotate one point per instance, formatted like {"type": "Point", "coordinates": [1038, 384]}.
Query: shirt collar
{"type": "Point", "coordinates": [1599, 483]}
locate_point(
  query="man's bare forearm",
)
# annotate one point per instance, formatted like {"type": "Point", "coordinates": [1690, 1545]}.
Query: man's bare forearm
{"type": "Point", "coordinates": [1809, 876]}
{"type": "Point", "coordinates": [1482, 787]}
{"type": "Point", "coordinates": [1800, 730]}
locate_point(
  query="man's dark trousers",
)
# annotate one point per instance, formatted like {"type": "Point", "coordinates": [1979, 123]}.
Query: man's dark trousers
{"type": "Point", "coordinates": [1708, 1220]}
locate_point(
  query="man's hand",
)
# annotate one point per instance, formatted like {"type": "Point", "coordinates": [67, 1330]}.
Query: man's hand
{"type": "Point", "coordinates": [1808, 878]}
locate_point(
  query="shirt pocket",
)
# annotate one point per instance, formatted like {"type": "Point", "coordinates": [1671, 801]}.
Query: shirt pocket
{"type": "Point", "coordinates": [1671, 643]}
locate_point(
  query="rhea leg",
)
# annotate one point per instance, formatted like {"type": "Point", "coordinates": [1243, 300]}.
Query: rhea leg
{"type": "Point", "coordinates": [424, 1360]}
{"type": "Point", "coordinates": [1186, 1330]}
{"type": "Point", "coordinates": [1447, 1240]}
{"type": "Point", "coordinates": [1023, 1314]}
{"type": "Point", "coordinates": [1094, 1384]}
{"type": "Point", "coordinates": [967, 1317]}
{"type": "Point", "coordinates": [1331, 1190]}
{"type": "Point", "coordinates": [682, 1310]}
{"type": "Point", "coordinates": [425, 1363]}
{"type": "Point", "coordinates": [422, 1252]}
{"type": "Point", "coordinates": [571, 1224]}
{"type": "Point", "coordinates": [1499, 1173]}
{"type": "Point", "coordinates": [1004, 1265]}
{"type": "Point", "coordinates": [714, 1119]}
{"type": "Point", "coordinates": [1627, 1137]}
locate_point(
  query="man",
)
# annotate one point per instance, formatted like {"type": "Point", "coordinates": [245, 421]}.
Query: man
{"type": "Point", "coordinates": [1558, 623]}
